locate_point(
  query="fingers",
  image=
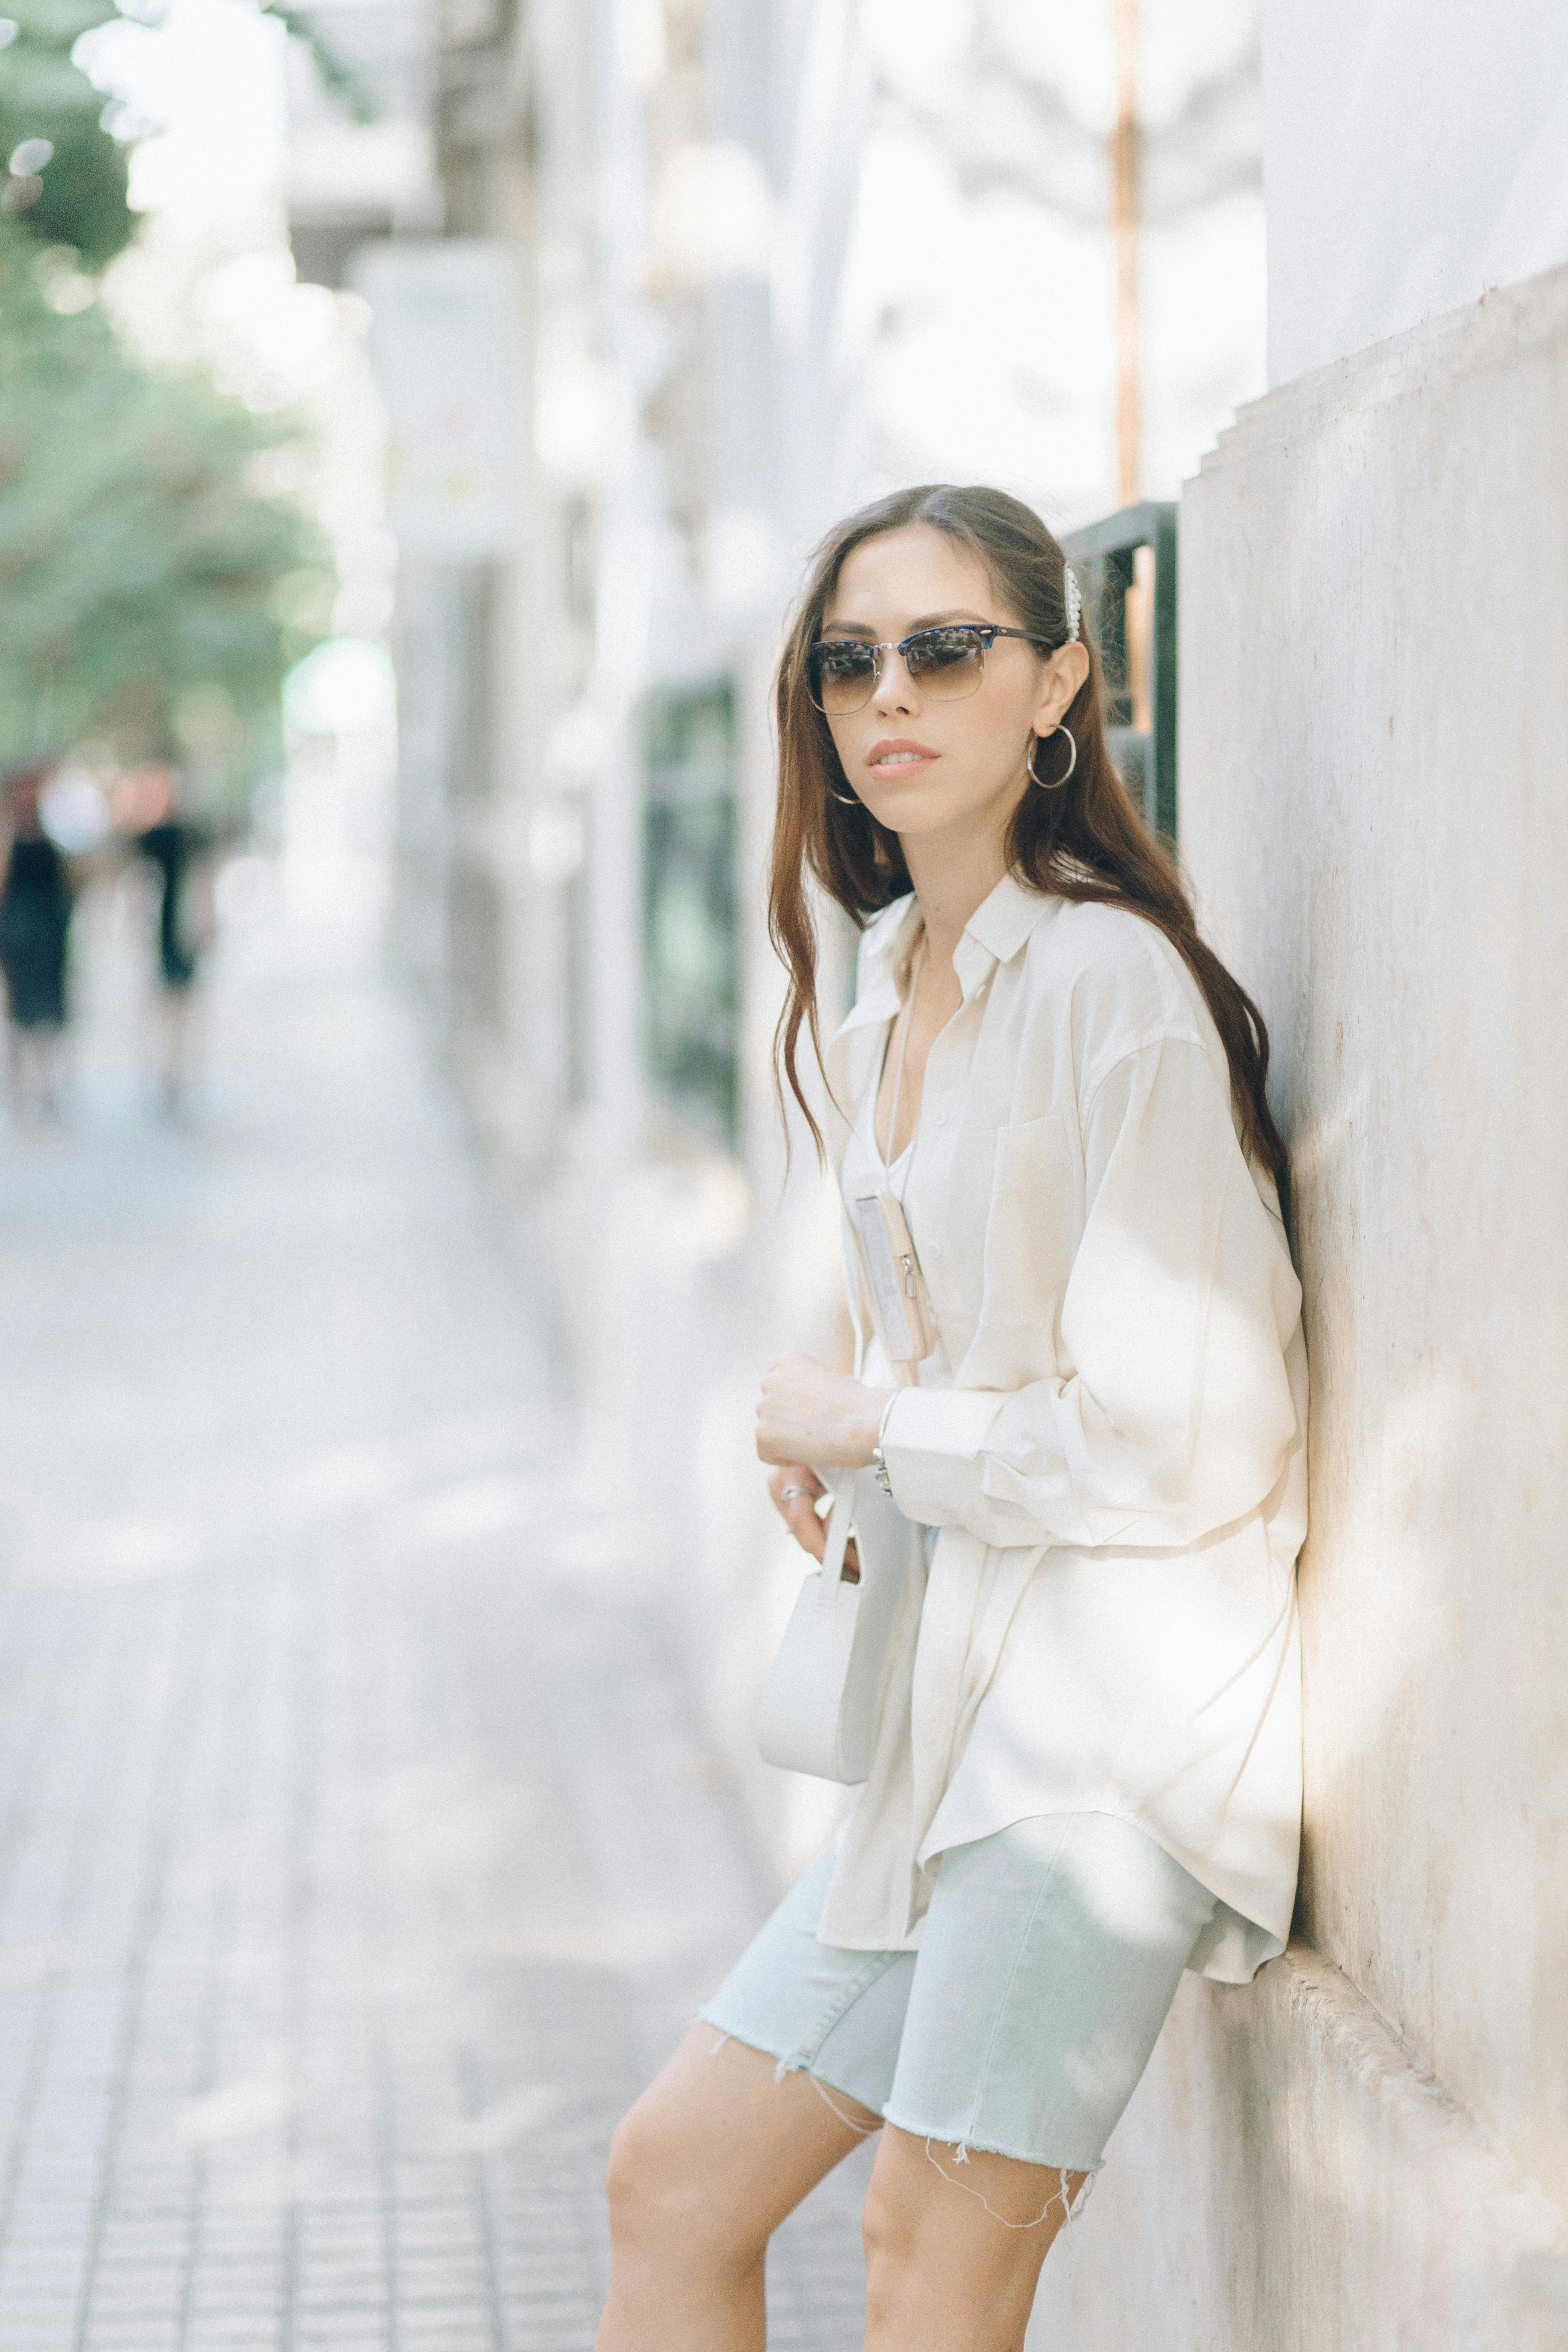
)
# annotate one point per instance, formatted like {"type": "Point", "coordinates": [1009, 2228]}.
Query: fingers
{"type": "Point", "coordinates": [790, 1481]}
{"type": "Point", "coordinates": [795, 1488]}
{"type": "Point", "coordinates": [806, 1410]}
{"type": "Point", "coordinates": [807, 1530]}
{"type": "Point", "coordinates": [805, 1526]}
{"type": "Point", "coordinates": [779, 1414]}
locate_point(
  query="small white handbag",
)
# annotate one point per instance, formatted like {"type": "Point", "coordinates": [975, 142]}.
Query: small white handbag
{"type": "Point", "coordinates": [819, 1711]}
{"type": "Point", "coordinates": [820, 1707]}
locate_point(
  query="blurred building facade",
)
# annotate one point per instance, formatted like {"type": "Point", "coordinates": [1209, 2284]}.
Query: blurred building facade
{"type": "Point", "coordinates": [765, 260]}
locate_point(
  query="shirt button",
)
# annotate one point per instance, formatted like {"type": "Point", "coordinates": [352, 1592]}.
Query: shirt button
{"type": "Point", "coordinates": [934, 1250]}
{"type": "Point", "coordinates": [942, 1118]}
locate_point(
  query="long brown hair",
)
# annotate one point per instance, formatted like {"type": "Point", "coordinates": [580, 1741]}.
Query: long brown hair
{"type": "Point", "coordinates": [1085, 840]}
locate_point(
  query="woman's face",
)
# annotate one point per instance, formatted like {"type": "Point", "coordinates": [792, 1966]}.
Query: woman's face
{"type": "Point", "coordinates": [924, 766]}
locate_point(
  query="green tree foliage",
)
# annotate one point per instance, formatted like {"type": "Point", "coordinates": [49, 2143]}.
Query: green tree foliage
{"type": "Point", "coordinates": [77, 196]}
{"type": "Point", "coordinates": [151, 593]}
{"type": "Point", "coordinates": [142, 575]}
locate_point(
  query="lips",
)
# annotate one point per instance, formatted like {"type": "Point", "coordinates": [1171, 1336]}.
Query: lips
{"type": "Point", "coordinates": [896, 755]}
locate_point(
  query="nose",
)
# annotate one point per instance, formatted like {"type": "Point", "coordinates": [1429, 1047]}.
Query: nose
{"type": "Point", "coordinates": [895, 689]}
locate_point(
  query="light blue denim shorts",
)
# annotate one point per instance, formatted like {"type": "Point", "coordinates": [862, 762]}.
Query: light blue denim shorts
{"type": "Point", "coordinates": [1049, 1956]}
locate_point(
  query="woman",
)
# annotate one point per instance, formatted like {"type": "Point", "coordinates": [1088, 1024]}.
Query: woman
{"type": "Point", "coordinates": [1087, 1769]}
{"type": "Point", "coordinates": [35, 919]}
{"type": "Point", "coordinates": [147, 808]}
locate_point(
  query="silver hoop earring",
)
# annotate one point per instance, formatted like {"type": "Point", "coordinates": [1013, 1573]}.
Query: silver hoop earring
{"type": "Point", "coordinates": [1072, 757]}
{"type": "Point", "coordinates": [845, 800]}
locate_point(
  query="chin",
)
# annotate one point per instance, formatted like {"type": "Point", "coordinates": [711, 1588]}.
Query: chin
{"type": "Point", "coordinates": [916, 812]}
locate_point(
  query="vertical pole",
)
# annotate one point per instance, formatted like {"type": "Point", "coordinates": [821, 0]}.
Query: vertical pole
{"type": "Point", "coordinates": [1124, 178]}
{"type": "Point", "coordinates": [1163, 675]}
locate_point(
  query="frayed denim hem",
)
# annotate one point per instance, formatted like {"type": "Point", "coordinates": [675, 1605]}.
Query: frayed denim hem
{"type": "Point", "coordinates": [1072, 2206]}
{"type": "Point", "coordinates": [794, 2063]}
{"type": "Point", "coordinates": [962, 2143]}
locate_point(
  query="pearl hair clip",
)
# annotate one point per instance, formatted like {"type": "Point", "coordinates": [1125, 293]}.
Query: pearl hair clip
{"type": "Point", "coordinates": [1074, 601]}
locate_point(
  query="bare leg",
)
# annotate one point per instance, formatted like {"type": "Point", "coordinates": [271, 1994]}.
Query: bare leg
{"type": "Point", "coordinates": [48, 1048]}
{"type": "Point", "coordinates": [712, 2157]}
{"type": "Point", "coordinates": [953, 2250]}
{"type": "Point", "coordinates": [174, 1036]}
{"type": "Point", "coordinates": [33, 1054]}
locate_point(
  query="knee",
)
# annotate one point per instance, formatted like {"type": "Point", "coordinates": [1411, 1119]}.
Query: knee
{"type": "Point", "coordinates": [886, 2227]}
{"type": "Point", "coordinates": [896, 2290]}
{"type": "Point", "coordinates": [668, 2208]}
{"type": "Point", "coordinates": [660, 2191]}
{"type": "Point", "coordinates": [643, 2167]}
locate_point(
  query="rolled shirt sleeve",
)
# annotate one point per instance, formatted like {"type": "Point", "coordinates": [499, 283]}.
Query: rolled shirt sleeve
{"type": "Point", "coordinates": [1172, 1413]}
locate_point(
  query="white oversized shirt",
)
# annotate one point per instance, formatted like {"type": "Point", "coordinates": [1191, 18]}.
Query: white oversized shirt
{"type": "Point", "coordinates": [1118, 1468]}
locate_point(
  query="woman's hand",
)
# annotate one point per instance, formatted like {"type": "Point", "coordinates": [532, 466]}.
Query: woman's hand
{"type": "Point", "coordinates": [808, 1413]}
{"type": "Point", "coordinates": [795, 1488]}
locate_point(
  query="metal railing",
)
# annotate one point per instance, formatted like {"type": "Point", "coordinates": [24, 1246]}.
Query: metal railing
{"type": "Point", "coordinates": [1103, 553]}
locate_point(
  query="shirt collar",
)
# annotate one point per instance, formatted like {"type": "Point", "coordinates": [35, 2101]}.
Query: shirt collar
{"type": "Point", "coordinates": [999, 929]}
{"type": "Point", "coordinates": [882, 949]}
{"type": "Point", "coordinates": [993, 934]}
{"type": "Point", "coordinates": [1004, 922]}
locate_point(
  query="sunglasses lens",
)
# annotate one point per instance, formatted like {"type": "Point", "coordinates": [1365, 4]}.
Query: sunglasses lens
{"type": "Point", "coordinates": [843, 674]}
{"type": "Point", "coordinates": [947, 664]}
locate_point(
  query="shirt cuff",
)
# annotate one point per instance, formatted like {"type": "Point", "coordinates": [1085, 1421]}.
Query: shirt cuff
{"type": "Point", "coordinates": [933, 1442]}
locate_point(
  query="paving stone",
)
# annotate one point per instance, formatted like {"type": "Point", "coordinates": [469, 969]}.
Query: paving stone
{"type": "Point", "coordinates": [232, 2336]}
{"type": "Point", "coordinates": [318, 1748]}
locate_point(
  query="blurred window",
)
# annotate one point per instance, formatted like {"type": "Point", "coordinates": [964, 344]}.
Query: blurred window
{"type": "Point", "coordinates": [690, 936]}
{"type": "Point", "coordinates": [1127, 564]}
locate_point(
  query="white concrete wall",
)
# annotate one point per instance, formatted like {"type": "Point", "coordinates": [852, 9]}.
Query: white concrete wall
{"type": "Point", "coordinates": [1413, 159]}
{"type": "Point", "coordinates": [1369, 2148]}
{"type": "Point", "coordinates": [1287, 2180]}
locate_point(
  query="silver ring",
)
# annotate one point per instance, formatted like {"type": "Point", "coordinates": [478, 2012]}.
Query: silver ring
{"type": "Point", "coordinates": [788, 1494]}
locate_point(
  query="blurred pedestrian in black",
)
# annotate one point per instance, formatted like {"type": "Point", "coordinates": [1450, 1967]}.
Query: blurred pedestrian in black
{"type": "Point", "coordinates": [35, 919]}
{"type": "Point", "coordinates": [146, 808]}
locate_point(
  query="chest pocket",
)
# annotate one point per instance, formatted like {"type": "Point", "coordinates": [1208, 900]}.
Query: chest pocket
{"type": "Point", "coordinates": [1032, 1234]}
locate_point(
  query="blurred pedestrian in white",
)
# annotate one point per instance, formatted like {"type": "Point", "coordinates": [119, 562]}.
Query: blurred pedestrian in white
{"type": "Point", "coordinates": [1085, 1773]}
{"type": "Point", "coordinates": [35, 921]}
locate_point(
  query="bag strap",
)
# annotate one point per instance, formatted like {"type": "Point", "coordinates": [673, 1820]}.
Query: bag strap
{"type": "Point", "coordinates": [831, 1583]}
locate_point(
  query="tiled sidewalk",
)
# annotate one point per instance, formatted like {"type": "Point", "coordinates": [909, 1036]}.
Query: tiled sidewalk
{"type": "Point", "coordinates": [359, 1857]}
